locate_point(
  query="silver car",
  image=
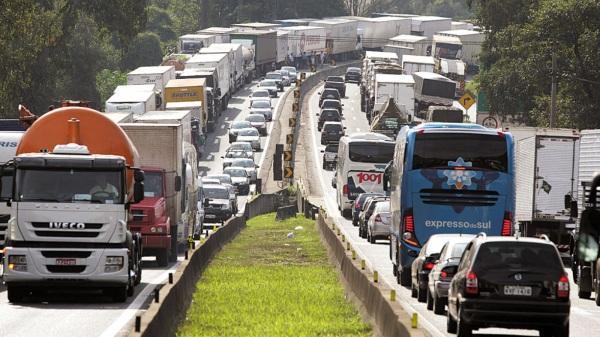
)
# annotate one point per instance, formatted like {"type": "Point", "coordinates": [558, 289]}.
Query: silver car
{"type": "Point", "coordinates": [241, 146]}
{"type": "Point", "coordinates": [260, 93]}
{"type": "Point", "coordinates": [240, 179]}
{"type": "Point", "coordinates": [226, 182]}
{"type": "Point", "coordinates": [287, 81]}
{"type": "Point", "coordinates": [380, 222]}
{"type": "Point", "coordinates": [259, 122]}
{"type": "Point", "coordinates": [249, 165]}
{"type": "Point", "coordinates": [269, 85]}
{"type": "Point", "coordinates": [230, 156]}
{"type": "Point", "coordinates": [263, 107]}
{"type": "Point", "coordinates": [293, 73]}
{"type": "Point", "coordinates": [250, 135]}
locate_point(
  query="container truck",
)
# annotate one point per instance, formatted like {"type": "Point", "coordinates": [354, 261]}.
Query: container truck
{"type": "Point", "coordinates": [429, 25]}
{"type": "Point", "coordinates": [192, 43]}
{"type": "Point", "coordinates": [167, 217]}
{"type": "Point", "coordinates": [261, 47]}
{"type": "Point", "coordinates": [76, 176]}
{"type": "Point", "coordinates": [252, 26]}
{"type": "Point", "coordinates": [377, 31]}
{"type": "Point", "coordinates": [124, 89]}
{"type": "Point", "coordinates": [282, 47]}
{"type": "Point", "coordinates": [222, 34]}
{"type": "Point", "coordinates": [159, 76]}
{"type": "Point", "coordinates": [224, 73]}
{"type": "Point", "coordinates": [304, 39]}
{"type": "Point", "coordinates": [340, 37]}
{"type": "Point", "coordinates": [432, 89]}
{"type": "Point", "coordinates": [461, 25]}
{"type": "Point", "coordinates": [192, 90]}
{"type": "Point", "coordinates": [471, 42]}
{"type": "Point", "coordinates": [546, 174]}
{"type": "Point", "coordinates": [294, 22]}
{"type": "Point", "coordinates": [8, 148]}
{"type": "Point", "coordinates": [417, 44]}
{"type": "Point", "coordinates": [447, 53]}
{"type": "Point", "coordinates": [198, 133]}
{"type": "Point", "coordinates": [137, 102]}
{"type": "Point", "coordinates": [413, 63]}
{"type": "Point", "coordinates": [236, 59]}
{"type": "Point", "coordinates": [400, 88]}
{"type": "Point", "coordinates": [400, 51]}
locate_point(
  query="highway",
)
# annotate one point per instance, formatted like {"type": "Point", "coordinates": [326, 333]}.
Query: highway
{"type": "Point", "coordinates": [585, 315]}
{"type": "Point", "coordinates": [91, 314]}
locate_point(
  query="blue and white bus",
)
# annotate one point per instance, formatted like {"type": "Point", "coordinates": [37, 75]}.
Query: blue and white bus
{"type": "Point", "coordinates": [448, 178]}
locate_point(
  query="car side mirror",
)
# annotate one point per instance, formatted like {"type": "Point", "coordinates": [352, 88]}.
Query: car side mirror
{"type": "Point", "coordinates": [319, 93]}
{"type": "Point", "coordinates": [206, 202]}
{"type": "Point", "coordinates": [222, 157]}
{"type": "Point", "coordinates": [6, 171]}
{"type": "Point", "coordinates": [138, 191]}
{"type": "Point", "coordinates": [345, 128]}
{"type": "Point", "coordinates": [322, 151]}
{"type": "Point", "coordinates": [333, 183]}
{"type": "Point", "coordinates": [318, 114]}
{"type": "Point", "coordinates": [177, 183]}
{"type": "Point", "coordinates": [138, 175]}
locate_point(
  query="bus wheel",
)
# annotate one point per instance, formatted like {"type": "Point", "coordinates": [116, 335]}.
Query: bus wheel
{"type": "Point", "coordinates": [405, 278]}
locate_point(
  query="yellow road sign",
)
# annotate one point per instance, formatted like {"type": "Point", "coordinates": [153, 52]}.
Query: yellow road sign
{"type": "Point", "coordinates": [296, 93]}
{"type": "Point", "coordinates": [295, 107]}
{"type": "Point", "coordinates": [289, 139]}
{"type": "Point", "coordinates": [466, 101]}
{"type": "Point", "coordinates": [287, 155]}
{"type": "Point", "coordinates": [288, 172]}
{"type": "Point", "coordinates": [292, 122]}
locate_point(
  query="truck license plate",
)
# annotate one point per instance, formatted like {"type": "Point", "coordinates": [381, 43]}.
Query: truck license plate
{"type": "Point", "coordinates": [210, 216]}
{"type": "Point", "coordinates": [517, 291]}
{"type": "Point", "coordinates": [65, 262]}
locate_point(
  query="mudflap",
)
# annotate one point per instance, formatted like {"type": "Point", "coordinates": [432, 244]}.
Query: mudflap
{"type": "Point", "coordinates": [585, 279]}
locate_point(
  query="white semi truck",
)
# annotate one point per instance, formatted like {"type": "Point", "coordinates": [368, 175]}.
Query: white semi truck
{"type": "Point", "coordinates": [398, 87]}
{"type": "Point", "coordinates": [224, 73]}
{"type": "Point", "coordinates": [236, 60]}
{"type": "Point", "coordinates": [192, 43]}
{"type": "Point", "coordinates": [159, 76]}
{"type": "Point", "coordinates": [134, 101]}
{"type": "Point", "coordinates": [8, 147]}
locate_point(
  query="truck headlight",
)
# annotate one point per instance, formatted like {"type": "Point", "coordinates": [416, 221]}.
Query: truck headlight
{"type": "Point", "coordinates": [17, 262]}
{"type": "Point", "coordinates": [113, 264]}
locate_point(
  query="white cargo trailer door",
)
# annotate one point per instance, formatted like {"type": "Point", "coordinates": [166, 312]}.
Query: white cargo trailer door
{"type": "Point", "coordinates": [524, 176]}
{"type": "Point", "coordinates": [555, 174]}
{"type": "Point", "coordinates": [589, 160]}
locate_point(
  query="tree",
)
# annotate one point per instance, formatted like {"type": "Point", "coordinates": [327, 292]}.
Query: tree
{"type": "Point", "coordinates": [106, 82]}
{"type": "Point", "coordinates": [145, 50]}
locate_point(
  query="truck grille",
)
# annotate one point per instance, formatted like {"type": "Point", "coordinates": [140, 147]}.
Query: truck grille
{"type": "Point", "coordinates": [67, 229]}
{"type": "Point", "coordinates": [66, 253]}
{"type": "Point", "coordinates": [138, 215]}
{"type": "Point", "coordinates": [458, 198]}
{"type": "Point", "coordinates": [65, 269]}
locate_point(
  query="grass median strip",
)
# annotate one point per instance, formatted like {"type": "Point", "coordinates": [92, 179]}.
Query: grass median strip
{"type": "Point", "coordinates": [268, 282]}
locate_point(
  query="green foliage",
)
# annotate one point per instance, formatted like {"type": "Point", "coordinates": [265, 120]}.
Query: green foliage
{"type": "Point", "coordinates": [278, 286]}
{"type": "Point", "coordinates": [517, 71]}
{"type": "Point", "coordinates": [144, 50]}
{"type": "Point", "coordinates": [106, 82]}
{"type": "Point", "coordinates": [160, 23]}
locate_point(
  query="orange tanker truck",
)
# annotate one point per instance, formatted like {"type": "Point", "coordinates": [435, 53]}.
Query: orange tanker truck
{"type": "Point", "coordinates": [75, 177]}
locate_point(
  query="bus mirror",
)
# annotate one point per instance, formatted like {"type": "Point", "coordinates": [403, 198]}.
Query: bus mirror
{"type": "Point", "coordinates": [138, 192]}
{"type": "Point", "coordinates": [568, 200]}
{"type": "Point", "coordinates": [574, 209]}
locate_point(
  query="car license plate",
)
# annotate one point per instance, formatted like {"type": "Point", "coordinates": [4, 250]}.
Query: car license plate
{"type": "Point", "coordinates": [65, 262]}
{"type": "Point", "coordinates": [517, 291]}
{"type": "Point", "coordinates": [210, 216]}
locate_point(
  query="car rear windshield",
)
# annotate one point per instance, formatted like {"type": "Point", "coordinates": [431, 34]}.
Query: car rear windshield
{"type": "Point", "coordinates": [333, 127]}
{"type": "Point", "coordinates": [518, 256]}
{"type": "Point", "coordinates": [440, 150]}
{"type": "Point", "coordinates": [457, 250]}
{"type": "Point", "coordinates": [261, 104]}
{"type": "Point", "coordinates": [256, 118]}
{"type": "Point", "coordinates": [273, 76]}
{"type": "Point", "coordinates": [268, 84]}
{"type": "Point", "coordinates": [335, 79]}
{"type": "Point", "coordinates": [242, 146]}
{"type": "Point", "coordinates": [331, 148]}
{"type": "Point", "coordinates": [243, 163]}
{"type": "Point", "coordinates": [234, 172]}
{"type": "Point", "coordinates": [215, 192]}
{"type": "Point", "coordinates": [248, 132]}
{"type": "Point", "coordinates": [240, 125]}
{"type": "Point", "coordinates": [260, 93]}
{"type": "Point", "coordinates": [223, 178]}
{"type": "Point", "coordinates": [371, 152]}
{"type": "Point", "coordinates": [330, 104]}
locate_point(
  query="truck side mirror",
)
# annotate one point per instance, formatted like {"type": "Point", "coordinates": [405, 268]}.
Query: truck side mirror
{"type": "Point", "coordinates": [138, 191]}
{"type": "Point", "coordinates": [574, 209]}
{"type": "Point", "coordinates": [206, 202]}
{"type": "Point", "coordinates": [568, 200]}
{"type": "Point", "coordinates": [138, 175]}
{"type": "Point", "coordinates": [6, 171]}
{"type": "Point", "coordinates": [177, 183]}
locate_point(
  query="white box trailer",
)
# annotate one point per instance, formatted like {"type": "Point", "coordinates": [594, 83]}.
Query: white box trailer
{"type": "Point", "coordinates": [471, 44]}
{"type": "Point", "coordinates": [243, 27]}
{"type": "Point", "coordinates": [546, 171]}
{"type": "Point", "coordinates": [236, 59]}
{"type": "Point", "coordinates": [137, 102]}
{"type": "Point", "coordinates": [194, 107]}
{"type": "Point", "coordinates": [303, 39]}
{"type": "Point", "coordinates": [429, 25]}
{"type": "Point", "coordinates": [120, 117]}
{"type": "Point", "coordinates": [589, 162]}
{"type": "Point", "coordinates": [414, 63]}
{"type": "Point", "coordinates": [377, 31]}
{"type": "Point", "coordinates": [183, 117]}
{"type": "Point", "coordinates": [282, 46]}
{"type": "Point", "coordinates": [341, 35]}
{"type": "Point", "coordinates": [158, 75]}
{"type": "Point", "coordinates": [124, 89]}
{"type": "Point", "coordinates": [399, 87]}
{"type": "Point", "coordinates": [455, 25]}
{"type": "Point", "coordinates": [192, 43]}
{"type": "Point", "coordinates": [419, 44]}
{"type": "Point", "coordinates": [222, 34]}
{"type": "Point", "coordinates": [398, 50]}
{"type": "Point", "coordinates": [220, 62]}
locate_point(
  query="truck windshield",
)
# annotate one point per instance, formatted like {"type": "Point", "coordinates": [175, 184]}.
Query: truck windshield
{"type": "Point", "coordinates": [438, 88]}
{"type": "Point", "coordinates": [7, 183]}
{"type": "Point", "coordinates": [69, 186]}
{"type": "Point", "coordinates": [477, 151]}
{"type": "Point", "coordinates": [448, 51]}
{"type": "Point", "coordinates": [153, 184]}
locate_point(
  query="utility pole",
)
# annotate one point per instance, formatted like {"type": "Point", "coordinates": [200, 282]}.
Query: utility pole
{"type": "Point", "coordinates": [553, 92]}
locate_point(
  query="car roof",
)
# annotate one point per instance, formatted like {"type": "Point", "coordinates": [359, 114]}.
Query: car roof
{"type": "Point", "coordinates": [488, 239]}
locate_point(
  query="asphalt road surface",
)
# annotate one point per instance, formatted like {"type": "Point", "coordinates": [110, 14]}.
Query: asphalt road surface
{"type": "Point", "coordinates": [585, 315]}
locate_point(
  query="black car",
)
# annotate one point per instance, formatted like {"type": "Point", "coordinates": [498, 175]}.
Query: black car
{"type": "Point", "coordinates": [328, 115]}
{"type": "Point", "coordinates": [424, 262]}
{"type": "Point", "coordinates": [442, 273]}
{"type": "Point", "coordinates": [509, 282]}
{"type": "Point", "coordinates": [366, 212]}
{"type": "Point", "coordinates": [353, 75]}
{"type": "Point", "coordinates": [332, 132]}
{"type": "Point", "coordinates": [217, 206]}
{"type": "Point", "coordinates": [332, 104]}
{"type": "Point", "coordinates": [358, 204]}
{"type": "Point", "coordinates": [336, 82]}
{"type": "Point", "coordinates": [329, 93]}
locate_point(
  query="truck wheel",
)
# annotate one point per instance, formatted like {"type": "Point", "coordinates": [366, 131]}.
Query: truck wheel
{"type": "Point", "coordinates": [405, 278]}
{"type": "Point", "coordinates": [162, 259]}
{"type": "Point", "coordinates": [119, 294]}
{"type": "Point", "coordinates": [15, 294]}
{"type": "Point", "coordinates": [130, 290]}
{"type": "Point", "coordinates": [584, 294]}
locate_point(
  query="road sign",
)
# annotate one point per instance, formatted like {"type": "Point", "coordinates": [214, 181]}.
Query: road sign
{"type": "Point", "coordinates": [295, 107]}
{"type": "Point", "coordinates": [292, 122]}
{"type": "Point", "coordinates": [466, 101]}
{"type": "Point", "coordinates": [287, 155]}
{"type": "Point", "coordinates": [490, 122]}
{"type": "Point", "coordinates": [289, 139]}
{"type": "Point", "coordinates": [288, 172]}
{"type": "Point", "coordinates": [296, 93]}
{"type": "Point", "coordinates": [277, 163]}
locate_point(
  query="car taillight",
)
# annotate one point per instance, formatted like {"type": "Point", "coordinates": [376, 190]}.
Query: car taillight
{"type": "Point", "coordinates": [446, 274]}
{"type": "Point", "coordinates": [409, 229]}
{"type": "Point", "coordinates": [562, 289]}
{"type": "Point", "coordinates": [345, 189]}
{"type": "Point", "coordinates": [507, 224]}
{"type": "Point", "coordinates": [378, 218]}
{"type": "Point", "coordinates": [428, 265]}
{"type": "Point", "coordinates": [471, 286]}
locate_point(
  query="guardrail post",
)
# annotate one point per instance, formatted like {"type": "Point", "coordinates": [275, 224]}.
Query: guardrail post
{"type": "Point", "coordinates": [414, 322]}
{"type": "Point", "coordinates": [138, 323]}
{"type": "Point", "coordinates": [170, 278]}
{"type": "Point", "coordinates": [363, 264]}
{"type": "Point", "coordinates": [156, 295]}
{"type": "Point", "coordinates": [393, 295]}
{"type": "Point", "coordinates": [375, 276]}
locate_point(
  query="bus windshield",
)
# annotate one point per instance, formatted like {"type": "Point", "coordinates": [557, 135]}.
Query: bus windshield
{"type": "Point", "coordinates": [441, 150]}
{"type": "Point", "coordinates": [369, 152]}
